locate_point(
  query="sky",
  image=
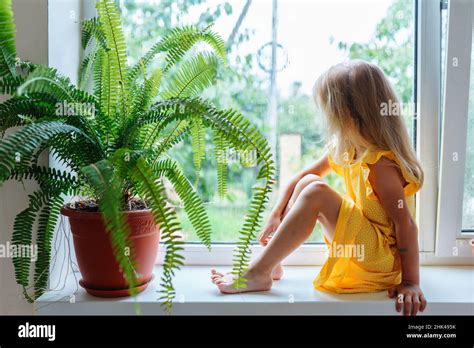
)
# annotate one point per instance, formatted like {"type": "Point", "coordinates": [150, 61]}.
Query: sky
{"type": "Point", "coordinates": [305, 29]}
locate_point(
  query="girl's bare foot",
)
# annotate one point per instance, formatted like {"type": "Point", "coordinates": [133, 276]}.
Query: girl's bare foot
{"type": "Point", "coordinates": [255, 282]}
{"type": "Point", "coordinates": [277, 272]}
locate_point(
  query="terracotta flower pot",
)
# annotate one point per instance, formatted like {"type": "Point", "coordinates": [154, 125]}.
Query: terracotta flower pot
{"type": "Point", "coordinates": [101, 275]}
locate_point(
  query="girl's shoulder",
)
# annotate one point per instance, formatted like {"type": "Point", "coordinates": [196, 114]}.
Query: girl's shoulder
{"type": "Point", "coordinates": [380, 158]}
{"type": "Point", "coordinates": [373, 156]}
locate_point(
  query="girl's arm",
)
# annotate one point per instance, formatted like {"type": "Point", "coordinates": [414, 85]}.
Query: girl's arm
{"type": "Point", "coordinates": [320, 167]}
{"type": "Point", "coordinates": [388, 184]}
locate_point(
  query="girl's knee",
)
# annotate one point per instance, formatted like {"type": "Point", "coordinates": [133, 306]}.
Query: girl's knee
{"type": "Point", "coordinates": [316, 191]}
{"type": "Point", "coordinates": [307, 180]}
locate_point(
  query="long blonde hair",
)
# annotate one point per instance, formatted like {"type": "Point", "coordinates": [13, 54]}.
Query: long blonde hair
{"type": "Point", "coordinates": [352, 95]}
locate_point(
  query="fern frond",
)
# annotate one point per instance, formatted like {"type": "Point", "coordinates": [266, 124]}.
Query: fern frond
{"type": "Point", "coordinates": [167, 141]}
{"type": "Point", "coordinates": [48, 81]}
{"type": "Point", "coordinates": [9, 84]}
{"type": "Point", "coordinates": [111, 25]}
{"type": "Point", "coordinates": [144, 93]}
{"type": "Point", "coordinates": [177, 43]}
{"type": "Point", "coordinates": [91, 29]}
{"type": "Point", "coordinates": [18, 111]}
{"type": "Point", "coordinates": [73, 153]}
{"type": "Point", "coordinates": [86, 69]}
{"type": "Point", "coordinates": [7, 40]}
{"type": "Point", "coordinates": [220, 151]}
{"type": "Point", "coordinates": [46, 176]}
{"type": "Point", "coordinates": [198, 142]}
{"type": "Point", "coordinates": [17, 149]}
{"type": "Point", "coordinates": [23, 231]}
{"type": "Point", "coordinates": [98, 81]}
{"type": "Point", "coordinates": [48, 218]}
{"type": "Point", "coordinates": [193, 205]}
{"type": "Point", "coordinates": [192, 77]}
{"type": "Point", "coordinates": [152, 190]}
{"type": "Point", "coordinates": [106, 124]}
{"type": "Point", "coordinates": [107, 186]}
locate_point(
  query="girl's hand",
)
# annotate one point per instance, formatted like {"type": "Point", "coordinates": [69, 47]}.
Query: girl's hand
{"type": "Point", "coordinates": [409, 296]}
{"type": "Point", "coordinates": [270, 227]}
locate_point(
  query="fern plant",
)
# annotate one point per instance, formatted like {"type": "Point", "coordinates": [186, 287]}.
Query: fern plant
{"type": "Point", "coordinates": [117, 138]}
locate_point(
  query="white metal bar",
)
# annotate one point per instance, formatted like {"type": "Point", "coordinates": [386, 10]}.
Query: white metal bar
{"type": "Point", "coordinates": [453, 149]}
{"type": "Point", "coordinates": [428, 99]}
{"type": "Point", "coordinates": [221, 254]}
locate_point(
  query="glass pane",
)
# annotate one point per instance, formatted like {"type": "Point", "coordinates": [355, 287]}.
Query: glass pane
{"type": "Point", "coordinates": [311, 36]}
{"type": "Point", "coordinates": [468, 202]}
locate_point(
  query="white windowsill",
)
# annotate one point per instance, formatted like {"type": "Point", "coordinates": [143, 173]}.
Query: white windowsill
{"type": "Point", "coordinates": [449, 290]}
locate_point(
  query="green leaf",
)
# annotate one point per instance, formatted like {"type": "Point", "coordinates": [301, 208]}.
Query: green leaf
{"type": "Point", "coordinates": [86, 69]}
{"type": "Point", "coordinates": [7, 40]}
{"type": "Point", "coordinates": [192, 77]}
{"type": "Point", "coordinates": [17, 149]}
{"type": "Point", "coordinates": [47, 221]}
{"type": "Point", "coordinates": [116, 56]}
{"type": "Point", "coordinates": [193, 204]}
{"type": "Point", "coordinates": [177, 43]}
{"type": "Point", "coordinates": [47, 81]}
{"type": "Point", "coordinates": [220, 150]}
{"type": "Point", "coordinates": [91, 29]}
{"type": "Point", "coordinates": [17, 111]}
{"type": "Point", "coordinates": [23, 227]}
{"type": "Point", "coordinates": [198, 142]}
{"type": "Point", "coordinates": [9, 84]}
{"type": "Point", "coordinates": [152, 190]}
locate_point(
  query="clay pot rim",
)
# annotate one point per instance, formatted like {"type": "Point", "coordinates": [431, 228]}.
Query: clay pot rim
{"type": "Point", "coordinates": [94, 215]}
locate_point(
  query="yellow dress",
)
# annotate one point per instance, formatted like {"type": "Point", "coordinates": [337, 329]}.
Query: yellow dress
{"type": "Point", "coordinates": [363, 256]}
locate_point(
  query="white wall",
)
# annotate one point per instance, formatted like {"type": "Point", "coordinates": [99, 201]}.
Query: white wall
{"type": "Point", "coordinates": [32, 44]}
{"type": "Point", "coordinates": [64, 55]}
{"type": "Point", "coordinates": [39, 22]}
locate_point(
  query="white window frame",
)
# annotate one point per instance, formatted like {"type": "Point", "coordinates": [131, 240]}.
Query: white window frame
{"type": "Point", "coordinates": [428, 62]}
{"type": "Point", "coordinates": [450, 239]}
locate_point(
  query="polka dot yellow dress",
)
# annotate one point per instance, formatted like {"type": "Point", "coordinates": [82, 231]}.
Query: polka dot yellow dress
{"type": "Point", "coordinates": [363, 256]}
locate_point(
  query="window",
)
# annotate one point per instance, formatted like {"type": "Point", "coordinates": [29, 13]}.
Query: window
{"type": "Point", "coordinates": [309, 36]}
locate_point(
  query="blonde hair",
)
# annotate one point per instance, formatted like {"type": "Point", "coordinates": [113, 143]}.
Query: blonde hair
{"type": "Point", "coordinates": [352, 95]}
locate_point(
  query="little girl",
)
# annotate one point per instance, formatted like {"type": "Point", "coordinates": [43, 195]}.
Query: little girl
{"type": "Point", "coordinates": [372, 152]}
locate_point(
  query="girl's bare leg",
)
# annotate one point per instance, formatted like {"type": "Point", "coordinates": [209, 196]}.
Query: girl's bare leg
{"type": "Point", "coordinates": [277, 272]}
{"type": "Point", "coordinates": [316, 201]}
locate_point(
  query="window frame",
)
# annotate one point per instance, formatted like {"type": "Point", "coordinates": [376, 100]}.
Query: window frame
{"type": "Point", "coordinates": [451, 241]}
{"type": "Point", "coordinates": [428, 100]}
